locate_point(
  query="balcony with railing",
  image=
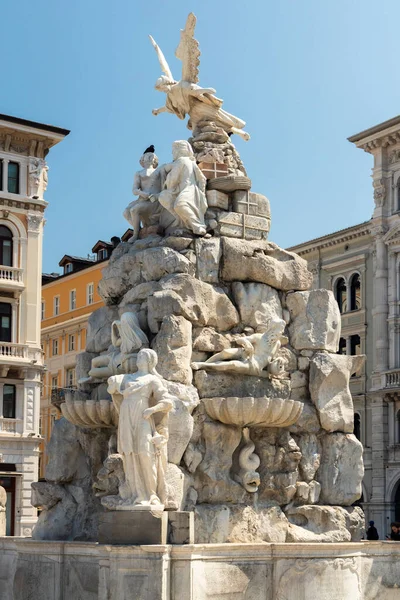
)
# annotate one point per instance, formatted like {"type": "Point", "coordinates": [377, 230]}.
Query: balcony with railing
{"type": "Point", "coordinates": [392, 379]}
{"type": "Point", "coordinates": [11, 278]}
{"type": "Point", "coordinates": [19, 355]}
{"type": "Point", "coordinates": [10, 425]}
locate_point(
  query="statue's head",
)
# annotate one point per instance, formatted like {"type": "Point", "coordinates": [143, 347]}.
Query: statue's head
{"type": "Point", "coordinates": [149, 159]}
{"type": "Point", "coordinates": [182, 148]}
{"type": "Point", "coordinates": [147, 360]}
{"type": "Point", "coordinates": [164, 84]}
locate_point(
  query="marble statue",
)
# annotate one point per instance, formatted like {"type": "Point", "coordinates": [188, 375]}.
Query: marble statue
{"type": "Point", "coordinates": [38, 177]}
{"type": "Point", "coordinates": [127, 338]}
{"type": "Point", "coordinates": [141, 439]}
{"type": "Point", "coordinates": [147, 186]}
{"type": "Point", "coordinates": [184, 97]}
{"type": "Point", "coordinates": [184, 194]}
{"type": "Point", "coordinates": [257, 352]}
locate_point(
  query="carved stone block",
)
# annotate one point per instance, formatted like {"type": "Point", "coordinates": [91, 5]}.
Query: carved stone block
{"type": "Point", "coordinates": [248, 227]}
{"type": "Point", "coordinates": [212, 170]}
{"type": "Point", "coordinates": [217, 199]}
{"type": "Point", "coordinates": [250, 203]}
{"type": "Point", "coordinates": [132, 527]}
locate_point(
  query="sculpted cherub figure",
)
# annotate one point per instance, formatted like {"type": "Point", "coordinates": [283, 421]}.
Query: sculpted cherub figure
{"type": "Point", "coordinates": [184, 97]}
{"type": "Point", "coordinates": [147, 186]}
{"type": "Point", "coordinates": [255, 356]}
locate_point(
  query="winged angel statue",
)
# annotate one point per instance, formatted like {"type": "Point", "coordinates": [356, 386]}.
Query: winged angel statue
{"type": "Point", "coordinates": [185, 97]}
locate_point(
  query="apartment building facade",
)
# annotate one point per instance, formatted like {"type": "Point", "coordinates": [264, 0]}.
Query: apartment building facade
{"type": "Point", "coordinates": [23, 182]}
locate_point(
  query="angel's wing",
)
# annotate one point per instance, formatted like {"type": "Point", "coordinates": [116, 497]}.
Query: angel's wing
{"type": "Point", "coordinates": [188, 51]}
{"type": "Point", "coordinates": [161, 59]}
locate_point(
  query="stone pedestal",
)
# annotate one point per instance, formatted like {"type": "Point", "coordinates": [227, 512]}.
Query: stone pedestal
{"type": "Point", "coordinates": [57, 570]}
{"type": "Point", "coordinates": [132, 527]}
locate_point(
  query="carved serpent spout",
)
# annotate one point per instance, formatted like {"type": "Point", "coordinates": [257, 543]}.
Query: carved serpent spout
{"type": "Point", "coordinates": [248, 462]}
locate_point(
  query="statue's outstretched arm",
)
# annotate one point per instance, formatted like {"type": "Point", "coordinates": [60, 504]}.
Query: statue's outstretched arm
{"type": "Point", "coordinates": [157, 111]}
{"type": "Point", "coordinates": [200, 91]}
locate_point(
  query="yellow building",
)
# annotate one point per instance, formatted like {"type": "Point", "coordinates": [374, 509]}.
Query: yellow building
{"type": "Point", "coordinates": [68, 299]}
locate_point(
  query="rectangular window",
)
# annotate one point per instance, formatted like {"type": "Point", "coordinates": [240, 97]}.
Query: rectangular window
{"type": "Point", "coordinates": [9, 404]}
{"type": "Point", "coordinates": [55, 347]}
{"type": "Point", "coordinates": [13, 178]}
{"type": "Point", "coordinates": [56, 305]}
{"type": "Point", "coordinates": [71, 343]}
{"type": "Point", "coordinates": [69, 268]}
{"type": "Point", "coordinates": [70, 378]}
{"type": "Point", "coordinates": [72, 300]}
{"type": "Point", "coordinates": [43, 313]}
{"type": "Point", "coordinates": [54, 382]}
{"type": "Point", "coordinates": [90, 293]}
{"type": "Point", "coordinates": [5, 322]}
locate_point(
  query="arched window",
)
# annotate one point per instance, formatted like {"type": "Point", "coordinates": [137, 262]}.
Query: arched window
{"type": "Point", "coordinates": [355, 292]}
{"type": "Point", "coordinates": [342, 346]}
{"type": "Point", "coordinates": [357, 426]}
{"type": "Point", "coordinates": [6, 246]}
{"type": "Point", "coordinates": [341, 294]}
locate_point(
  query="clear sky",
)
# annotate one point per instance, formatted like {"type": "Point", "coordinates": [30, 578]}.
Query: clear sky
{"type": "Point", "coordinates": [304, 75]}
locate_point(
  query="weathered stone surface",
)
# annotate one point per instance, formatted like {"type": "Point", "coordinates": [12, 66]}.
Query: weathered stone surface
{"type": "Point", "coordinates": [140, 266]}
{"type": "Point", "coordinates": [329, 386]}
{"type": "Point", "coordinates": [310, 449]}
{"type": "Point", "coordinates": [218, 524]}
{"type": "Point", "coordinates": [197, 301]}
{"type": "Point", "coordinates": [211, 385]}
{"type": "Point", "coordinates": [341, 470]}
{"type": "Point", "coordinates": [315, 322]}
{"type": "Point", "coordinates": [206, 339]}
{"type": "Point", "coordinates": [317, 524]}
{"type": "Point", "coordinates": [139, 293]}
{"type": "Point", "coordinates": [213, 482]}
{"type": "Point", "coordinates": [175, 485]}
{"type": "Point", "coordinates": [264, 262]}
{"type": "Point", "coordinates": [280, 457]}
{"type": "Point", "coordinates": [180, 527]}
{"type": "Point", "coordinates": [257, 303]}
{"type": "Point", "coordinates": [70, 508]}
{"type": "Point", "coordinates": [173, 345]}
{"type": "Point", "coordinates": [217, 199]}
{"type": "Point", "coordinates": [308, 421]}
{"type": "Point", "coordinates": [208, 252]}
{"type": "Point", "coordinates": [83, 364]}
{"type": "Point", "coordinates": [99, 329]}
{"type": "Point", "coordinates": [176, 243]}
{"type": "Point", "coordinates": [355, 522]}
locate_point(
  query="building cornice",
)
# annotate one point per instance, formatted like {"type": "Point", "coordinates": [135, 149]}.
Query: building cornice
{"type": "Point", "coordinates": [333, 239]}
{"type": "Point", "coordinates": [380, 136]}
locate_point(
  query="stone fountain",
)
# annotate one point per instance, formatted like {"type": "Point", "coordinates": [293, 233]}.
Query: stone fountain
{"type": "Point", "coordinates": [213, 421]}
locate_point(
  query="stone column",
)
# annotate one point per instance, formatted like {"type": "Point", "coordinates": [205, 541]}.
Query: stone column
{"type": "Point", "coordinates": [378, 445]}
{"type": "Point", "coordinates": [5, 175]}
{"type": "Point", "coordinates": [380, 310]}
{"type": "Point", "coordinates": [33, 276]}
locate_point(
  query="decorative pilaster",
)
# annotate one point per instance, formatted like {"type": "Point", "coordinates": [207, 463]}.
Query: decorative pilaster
{"type": "Point", "coordinates": [380, 310]}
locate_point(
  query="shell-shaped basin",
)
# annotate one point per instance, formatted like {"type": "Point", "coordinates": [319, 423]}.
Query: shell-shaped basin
{"type": "Point", "coordinates": [248, 412]}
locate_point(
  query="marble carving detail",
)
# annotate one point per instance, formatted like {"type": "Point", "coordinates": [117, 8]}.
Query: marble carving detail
{"type": "Point", "coordinates": [247, 418]}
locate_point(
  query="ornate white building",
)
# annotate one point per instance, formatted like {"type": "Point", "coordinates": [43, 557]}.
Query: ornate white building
{"type": "Point", "coordinates": [23, 181]}
{"type": "Point", "coordinates": [361, 265]}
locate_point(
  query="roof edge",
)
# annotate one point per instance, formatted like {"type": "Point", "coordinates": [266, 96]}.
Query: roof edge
{"type": "Point", "coordinates": [376, 129]}
{"type": "Point", "coordinates": [35, 124]}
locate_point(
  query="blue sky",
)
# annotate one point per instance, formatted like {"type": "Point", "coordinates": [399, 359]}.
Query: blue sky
{"type": "Point", "coordinates": [304, 75]}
